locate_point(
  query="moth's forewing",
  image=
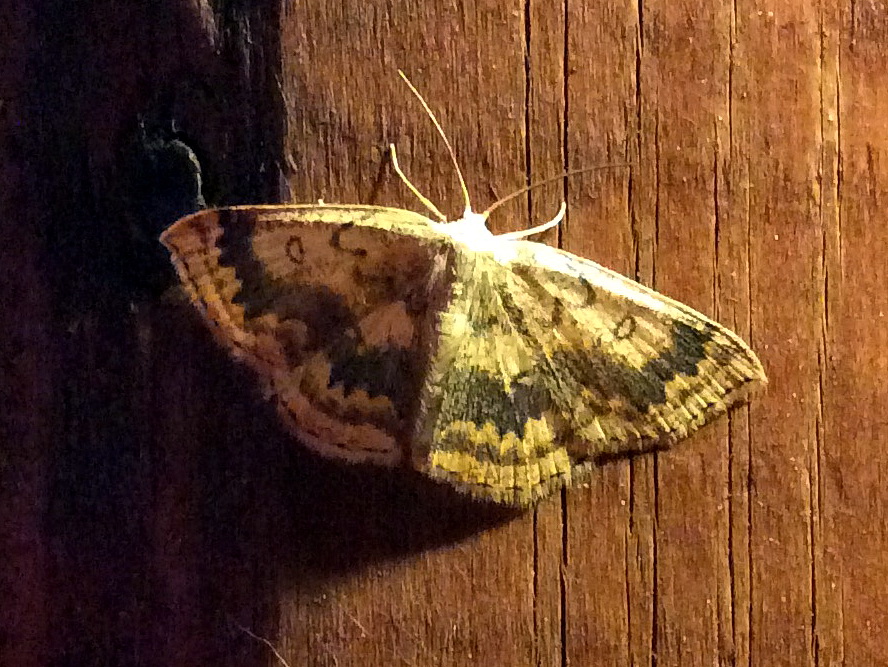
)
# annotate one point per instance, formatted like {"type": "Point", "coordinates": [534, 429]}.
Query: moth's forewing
{"type": "Point", "coordinates": [332, 306]}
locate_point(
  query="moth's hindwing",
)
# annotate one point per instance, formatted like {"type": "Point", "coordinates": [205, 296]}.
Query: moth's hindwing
{"type": "Point", "coordinates": [547, 362]}
{"type": "Point", "coordinates": [332, 306]}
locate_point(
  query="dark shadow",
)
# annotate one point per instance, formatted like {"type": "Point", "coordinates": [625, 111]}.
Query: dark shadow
{"type": "Point", "coordinates": [170, 499]}
{"type": "Point", "coordinates": [641, 449]}
{"type": "Point", "coordinates": [311, 517]}
{"type": "Point", "coordinates": [273, 518]}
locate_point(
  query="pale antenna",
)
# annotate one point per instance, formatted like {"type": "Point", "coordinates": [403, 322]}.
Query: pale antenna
{"type": "Point", "coordinates": [450, 151]}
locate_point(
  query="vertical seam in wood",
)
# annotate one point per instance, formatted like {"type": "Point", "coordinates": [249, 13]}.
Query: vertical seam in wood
{"type": "Point", "coordinates": [732, 454]}
{"type": "Point", "coordinates": [656, 197]}
{"type": "Point", "coordinates": [842, 607]}
{"type": "Point", "coordinates": [635, 133]}
{"type": "Point", "coordinates": [839, 253]}
{"type": "Point", "coordinates": [654, 635]}
{"type": "Point", "coordinates": [528, 83]}
{"type": "Point", "coordinates": [565, 77]}
{"type": "Point", "coordinates": [749, 438]}
{"type": "Point", "coordinates": [716, 228]}
{"type": "Point", "coordinates": [814, 490]}
{"type": "Point", "coordinates": [536, 586]}
{"type": "Point", "coordinates": [627, 541]}
{"type": "Point", "coordinates": [562, 578]}
{"type": "Point", "coordinates": [732, 575]}
{"type": "Point", "coordinates": [732, 42]}
{"type": "Point", "coordinates": [716, 308]}
{"type": "Point", "coordinates": [639, 47]}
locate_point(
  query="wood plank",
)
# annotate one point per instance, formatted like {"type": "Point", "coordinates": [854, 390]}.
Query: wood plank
{"type": "Point", "coordinates": [545, 124]}
{"type": "Point", "coordinates": [684, 110]}
{"type": "Point", "coordinates": [852, 536]}
{"type": "Point", "coordinates": [776, 129]}
{"type": "Point", "coordinates": [600, 90]}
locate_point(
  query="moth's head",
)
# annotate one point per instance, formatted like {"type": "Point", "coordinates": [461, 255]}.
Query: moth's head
{"type": "Point", "coordinates": [470, 229]}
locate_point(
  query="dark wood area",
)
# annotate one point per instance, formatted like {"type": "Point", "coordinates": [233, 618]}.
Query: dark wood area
{"type": "Point", "coordinates": [152, 510]}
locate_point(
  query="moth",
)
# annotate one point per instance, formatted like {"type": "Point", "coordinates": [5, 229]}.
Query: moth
{"type": "Point", "coordinates": [503, 367]}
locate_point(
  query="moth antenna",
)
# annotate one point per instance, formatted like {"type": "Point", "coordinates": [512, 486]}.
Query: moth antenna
{"type": "Point", "coordinates": [462, 182]}
{"type": "Point", "coordinates": [425, 200]}
{"type": "Point", "coordinates": [572, 172]}
{"type": "Point", "coordinates": [554, 222]}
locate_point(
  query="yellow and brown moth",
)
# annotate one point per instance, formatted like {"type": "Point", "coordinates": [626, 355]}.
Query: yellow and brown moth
{"type": "Point", "coordinates": [503, 367]}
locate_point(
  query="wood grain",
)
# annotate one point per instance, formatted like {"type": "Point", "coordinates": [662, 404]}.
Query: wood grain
{"type": "Point", "coordinates": [153, 512]}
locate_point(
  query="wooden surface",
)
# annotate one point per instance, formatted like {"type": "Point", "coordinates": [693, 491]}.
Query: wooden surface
{"type": "Point", "coordinates": [151, 508]}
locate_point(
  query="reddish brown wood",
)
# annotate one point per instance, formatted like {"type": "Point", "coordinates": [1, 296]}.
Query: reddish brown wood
{"type": "Point", "coordinates": [150, 506]}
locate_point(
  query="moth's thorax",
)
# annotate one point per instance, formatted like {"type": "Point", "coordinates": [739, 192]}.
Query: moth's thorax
{"type": "Point", "coordinates": [471, 230]}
